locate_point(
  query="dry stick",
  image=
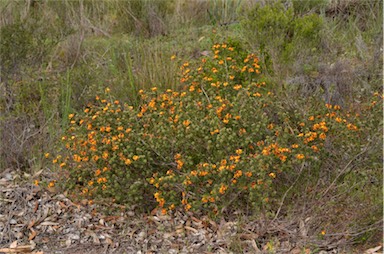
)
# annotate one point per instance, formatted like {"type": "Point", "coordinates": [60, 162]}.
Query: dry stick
{"type": "Point", "coordinates": [343, 171]}
{"type": "Point", "coordinates": [372, 227]}
{"type": "Point", "coordinates": [285, 194]}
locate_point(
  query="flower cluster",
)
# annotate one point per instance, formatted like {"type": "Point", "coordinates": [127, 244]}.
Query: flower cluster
{"type": "Point", "coordinates": [215, 144]}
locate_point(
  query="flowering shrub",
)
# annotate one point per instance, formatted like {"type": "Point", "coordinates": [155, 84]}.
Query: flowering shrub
{"type": "Point", "coordinates": [220, 143]}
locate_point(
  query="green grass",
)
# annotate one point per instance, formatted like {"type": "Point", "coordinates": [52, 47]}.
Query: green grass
{"type": "Point", "coordinates": [128, 45]}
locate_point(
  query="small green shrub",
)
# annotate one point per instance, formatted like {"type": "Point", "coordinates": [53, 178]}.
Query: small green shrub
{"type": "Point", "coordinates": [219, 144]}
{"type": "Point", "coordinates": [282, 36]}
{"type": "Point", "coordinates": [305, 7]}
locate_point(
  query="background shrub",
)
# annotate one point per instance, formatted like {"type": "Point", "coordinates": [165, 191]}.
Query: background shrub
{"type": "Point", "coordinates": [224, 142]}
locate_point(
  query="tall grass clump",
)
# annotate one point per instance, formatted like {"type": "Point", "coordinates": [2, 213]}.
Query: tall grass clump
{"type": "Point", "coordinates": [225, 142]}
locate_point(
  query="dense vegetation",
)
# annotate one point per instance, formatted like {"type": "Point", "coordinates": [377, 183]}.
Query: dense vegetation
{"type": "Point", "coordinates": [269, 108]}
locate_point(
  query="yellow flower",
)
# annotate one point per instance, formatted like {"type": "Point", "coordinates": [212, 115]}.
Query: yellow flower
{"type": "Point", "coordinates": [179, 164]}
{"type": "Point", "coordinates": [135, 157]}
{"type": "Point", "coordinates": [238, 174]}
{"type": "Point", "coordinates": [237, 87]}
{"type": "Point", "coordinates": [239, 151]}
{"type": "Point", "coordinates": [323, 232]}
{"type": "Point", "coordinates": [70, 116]}
{"type": "Point", "coordinates": [222, 189]}
{"type": "Point", "coordinates": [315, 148]}
{"type": "Point", "coordinates": [173, 57]}
{"type": "Point", "coordinates": [322, 136]}
{"type": "Point", "coordinates": [51, 184]}
{"type": "Point", "coordinates": [36, 182]}
{"type": "Point", "coordinates": [272, 175]}
{"type": "Point", "coordinates": [107, 90]}
{"type": "Point", "coordinates": [186, 123]}
{"type": "Point", "coordinates": [352, 127]}
{"type": "Point", "coordinates": [300, 156]}
{"type": "Point", "coordinates": [46, 155]}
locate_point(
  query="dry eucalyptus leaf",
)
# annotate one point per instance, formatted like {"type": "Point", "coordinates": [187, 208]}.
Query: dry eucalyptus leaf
{"type": "Point", "coordinates": [13, 244]}
{"type": "Point", "coordinates": [373, 250]}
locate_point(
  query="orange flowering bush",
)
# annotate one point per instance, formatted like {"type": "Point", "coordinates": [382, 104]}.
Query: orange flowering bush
{"type": "Point", "coordinates": [220, 143]}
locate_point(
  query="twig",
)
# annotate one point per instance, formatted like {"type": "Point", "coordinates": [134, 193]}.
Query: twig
{"type": "Point", "coordinates": [285, 194]}
{"type": "Point", "coordinates": [343, 171]}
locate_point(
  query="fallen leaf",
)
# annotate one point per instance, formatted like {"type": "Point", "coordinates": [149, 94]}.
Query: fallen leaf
{"type": "Point", "coordinates": [254, 245]}
{"type": "Point", "coordinates": [373, 250]}
{"type": "Point", "coordinates": [31, 224]}
{"type": "Point", "coordinates": [191, 229]}
{"type": "Point", "coordinates": [32, 235]}
{"type": "Point", "coordinates": [109, 241]}
{"type": "Point", "coordinates": [36, 206]}
{"type": "Point", "coordinates": [13, 244]}
{"type": "Point", "coordinates": [18, 249]}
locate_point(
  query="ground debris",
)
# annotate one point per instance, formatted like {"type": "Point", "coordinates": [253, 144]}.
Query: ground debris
{"type": "Point", "coordinates": [33, 220]}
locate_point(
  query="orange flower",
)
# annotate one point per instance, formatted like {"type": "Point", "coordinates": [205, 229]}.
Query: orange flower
{"type": "Point", "coordinates": [300, 156]}
{"type": "Point", "coordinates": [127, 162]}
{"type": "Point", "coordinates": [186, 123]}
{"type": "Point", "coordinates": [238, 174]}
{"type": "Point", "coordinates": [222, 189]}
